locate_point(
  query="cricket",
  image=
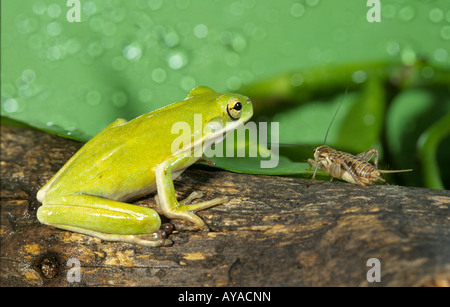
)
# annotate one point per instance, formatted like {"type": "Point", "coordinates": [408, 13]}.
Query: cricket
{"type": "Point", "coordinates": [354, 169]}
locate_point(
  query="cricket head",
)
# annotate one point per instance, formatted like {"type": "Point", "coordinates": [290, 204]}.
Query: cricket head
{"type": "Point", "coordinates": [322, 152]}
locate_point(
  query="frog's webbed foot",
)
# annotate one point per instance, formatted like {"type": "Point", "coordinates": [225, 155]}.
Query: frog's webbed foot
{"type": "Point", "coordinates": [190, 198]}
{"type": "Point", "coordinates": [185, 204]}
{"type": "Point", "coordinates": [185, 210]}
{"type": "Point", "coordinates": [155, 239]}
{"type": "Point", "coordinates": [186, 201]}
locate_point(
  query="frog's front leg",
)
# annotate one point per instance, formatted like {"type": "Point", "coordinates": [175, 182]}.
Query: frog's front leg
{"type": "Point", "coordinates": [104, 218]}
{"type": "Point", "coordinates": [166, 198]}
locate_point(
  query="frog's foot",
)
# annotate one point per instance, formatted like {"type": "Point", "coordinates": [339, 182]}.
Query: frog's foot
{"type": "Point", "coordinates": [190, 198]}
{"type": "Point", "coordinates": [156, 239]}
{"type": "Point", "coordinates": [185, 210]}
{"type": "Point", "coordinates": [144, 239]}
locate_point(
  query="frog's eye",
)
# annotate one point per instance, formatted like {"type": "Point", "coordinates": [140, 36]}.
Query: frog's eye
{"type": "Point", "coordinates": [234, 108]}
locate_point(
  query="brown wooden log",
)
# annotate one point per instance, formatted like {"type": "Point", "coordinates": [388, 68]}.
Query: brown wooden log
{"type": "Point", "coordinates": [273, 232]}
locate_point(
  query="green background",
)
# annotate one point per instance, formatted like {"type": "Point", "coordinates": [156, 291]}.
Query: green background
{"type": "Point", "coordinates": [126, 58]}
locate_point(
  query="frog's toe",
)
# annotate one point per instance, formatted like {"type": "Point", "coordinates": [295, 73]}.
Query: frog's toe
{"type": "Point", "coordinates": [204, 205]}
{"type": "Point", "coordinates": [149, 240]}
{"type": "Point", "coordinates": [158, 238]}
{"type": "Point", "coordinates": [194, 195]}
{"type": "Point", "coordinates": [190, 198]}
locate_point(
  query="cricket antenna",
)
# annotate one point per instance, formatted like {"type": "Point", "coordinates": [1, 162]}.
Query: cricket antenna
{"type": "Point", "coordinates": [329, 127]}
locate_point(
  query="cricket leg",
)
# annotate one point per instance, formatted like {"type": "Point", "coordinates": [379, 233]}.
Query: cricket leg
{"type": "Point", "coordinates": [316, 164]}
{"type": "Point", "coordinates": [367, 155]}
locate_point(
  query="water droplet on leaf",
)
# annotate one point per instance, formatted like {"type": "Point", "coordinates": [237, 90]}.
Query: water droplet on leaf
{"type": "Point", "coordinates": [359, 76]}
{"type": "Point", "coordinates": [393, 48]}
{"type": "Point", "coordinates": [436, 15]}
{"type": "Point", "coordinates": [441, 55]}
{"type": "Point", "coordinates": [25, 91]}
{"type": "Point", "coordinates": [26, 25]}
{"type": "Point", "coordinates": [119, 99]}
{"type": "Point", "coordinates": [177, 60]}
{"type": "Point", "coordinates": [388, 11]}
{"type": "Point", "coordinates": [297, 10]}
{"type": "Point", "coordinates": [159, 75]}
{"type": "Point", "coordinates": [10, 105]}
{"type": "Point", "coordinates": [132, 52]}
{"type": "Point", "coordinates": [89, 8]}
{"type": "Point", "coordinates": [93, 98]}
{"type": "Point", "coordinates": [445, 32]}
{"type": "Point", "coordinates": [53, 10]}
{"type": "Point", "coordinates": [28, 76]}
{"type": "Point", "coordinates": [201, 31]}
{"type": "Point", "coordinates": [53, 28]}
{"type": "Point", "coordinates": [239, 42]}
{"type": "Point", "coordinates": [407, 13]}
{"type": "Point", "coordinates": [39, 7]}
{"type": "Point", "coordinates": [54, 53]}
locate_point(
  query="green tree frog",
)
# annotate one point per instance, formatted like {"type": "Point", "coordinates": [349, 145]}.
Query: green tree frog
{"type": "Point", "coordinates": [131, 159]}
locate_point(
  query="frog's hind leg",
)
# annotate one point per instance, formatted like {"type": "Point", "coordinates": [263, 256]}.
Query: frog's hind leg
{"type": "Point", "coordinates": [166, 198]}
{"type": "Point", "coordinates": [104, 218]}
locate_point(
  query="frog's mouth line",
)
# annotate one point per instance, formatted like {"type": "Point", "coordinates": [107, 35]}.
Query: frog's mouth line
{"type": "Point", "coordinates": [219, 135]}
{"type": "Point", "coordinates": [207, 140]}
